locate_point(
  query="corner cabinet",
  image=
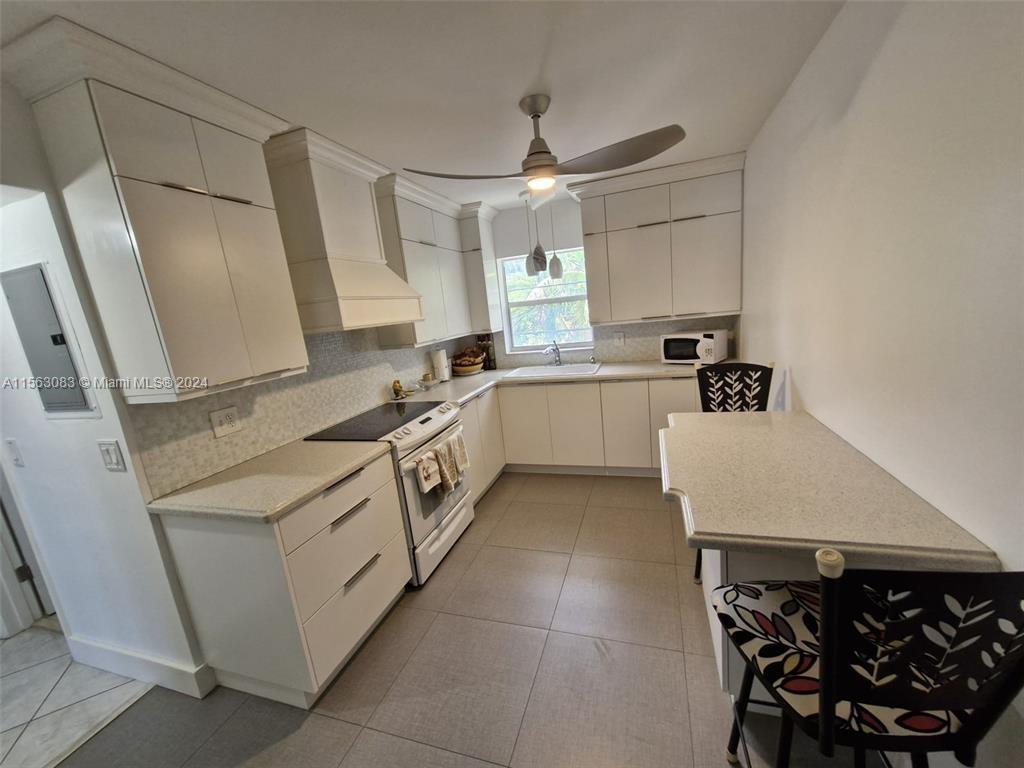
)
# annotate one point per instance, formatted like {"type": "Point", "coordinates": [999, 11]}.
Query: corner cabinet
{"type": "Point", "coordinates": [178, 241]}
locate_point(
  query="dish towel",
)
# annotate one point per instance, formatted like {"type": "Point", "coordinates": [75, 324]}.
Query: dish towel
{"type": "Point", "coordinates": [461, 454]}
{"type": "Point", "coordinates": [427, 472]}
{"type": "Point", "coordinates": [446, 466]}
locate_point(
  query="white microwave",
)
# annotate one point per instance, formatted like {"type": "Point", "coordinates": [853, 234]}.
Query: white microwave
{"type": "Point", "coordinates": [699, 347]}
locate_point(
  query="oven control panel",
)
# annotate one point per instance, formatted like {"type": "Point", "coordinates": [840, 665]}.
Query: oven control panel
{"type": "Point", "coordinates": [426, 426]}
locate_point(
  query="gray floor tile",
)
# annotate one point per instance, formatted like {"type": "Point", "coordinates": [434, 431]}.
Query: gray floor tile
{"type": "Point", "coordinates": [520, 586]}
{"type": "Point", "coordinates": [486, 516]}
{"type": "Point", "coordinates": [160, 730]}
{"type": "Point", "coordinates": [620, 600]}
{"type": "Point", "coordinates": [506, 486]}
{"type": "Point", "coordinates": [685, 555]}
{"type": "Point", "coordinates": [25, 691]}
{"type": "Point", "coordinates": [531, 525]}
{"type": "Point", "coordinates": [555, 489]}
{"type": "Point", "coordinates": [381, 750]}
{"type": "Point", "coordinates": [48, 739]}
{"type": "Point", "coordinates": [366, 678]}
{"type": "Point", "coordinates": [632, 534]}
{"type": "Point", "coordinates": [442, 582]}
{"type": "Point", "coordinates": [265, 734]}
{"type": "Point", "coordinates": [465, 688]}
{"type": "Point", "coordinates": [7, 739]}
{"type": "Point", "coordinates": [692, 608]}
{"type": "Point", "coordinates": [635, 492]}
{"type": "Point", "coordinates": [79, 682]}
{"type": "Point", "coordinates": [598, 703]}
{"type": "Point", "coordinates": [30, 647]}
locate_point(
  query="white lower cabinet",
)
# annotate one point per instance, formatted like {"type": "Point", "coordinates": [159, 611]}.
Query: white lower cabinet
{"type": "Point", "coordinates": [477, 472]}
{"type": "Point", "coordinates": [492, 438]}
{"type": "Point", "coordinates": [668, 396]}
{"type": "Point", "coordinates": [525, 425]}
{"type": "Point", "coordinates": [577, 437]}
{"type": "Point", "coordinates": [279, 608]}
{"type": "Point", "coordinates": [627, 423]}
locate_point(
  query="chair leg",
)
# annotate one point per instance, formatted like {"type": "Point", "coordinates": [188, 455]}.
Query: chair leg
{"type": "Point", "coordinates": [785, 742]}
{"type": "Point", "coordinates": [919, 760]}
{"type": "Point", "coordinates": [860, 758]}
{"type": "Point", "coordinates": [697, 565]}
{"type": "Point", "coordinates": [741, 710]}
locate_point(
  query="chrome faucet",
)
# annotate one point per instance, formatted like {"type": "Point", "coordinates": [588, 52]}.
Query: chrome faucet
{"type": "Point", "coordinates": [554, 350]}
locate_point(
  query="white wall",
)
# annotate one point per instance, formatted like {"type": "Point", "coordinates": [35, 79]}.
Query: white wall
{"type": "Point", "coordinates": [884, 250]}
{"type": "Point", "coordinates": [89, 527]}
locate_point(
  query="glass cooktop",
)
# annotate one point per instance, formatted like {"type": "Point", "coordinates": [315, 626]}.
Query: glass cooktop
{"type": "Point", "coordinates": [376, 423]}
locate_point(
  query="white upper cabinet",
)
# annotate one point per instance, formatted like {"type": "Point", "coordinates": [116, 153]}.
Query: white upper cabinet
{"type": "Point", "coordinates": [145, 140]}
{"type": "Point", "coordinates": [668, 396]}
{"type": "Point", "coordinates": [637, 207]}
{"type": "Point", "coordinates": [592, 215]}
{"type": "Point", "coordinates": [415, 222]}
{"type": "Point", "coordinates": [708, 195]}
{"type": "Point", "coordinates": [627, 422]}
{"type": "Point", "coordinates": [256, 264]}
{"type": "Point", "coordinates": [188, 280]}
{"type": "Point", "coordinates": [640, 272]}
{"type": "Point", "coordinates": [422, 271]}
{"type": "Point", "coordinates": [577, 435]}
{"type": "Point", "coordinates": [707, 264]}
{"type": "Point", "coordinates": [599, 302]}
{"type": "Point", "coordinates": [234, 165]}
{"type": "Point", "coordinates": [446, 231]}
{"type": "Point", "coordinates": [453, 290]}
{"type": "Point", "coordinates": [525, 424]}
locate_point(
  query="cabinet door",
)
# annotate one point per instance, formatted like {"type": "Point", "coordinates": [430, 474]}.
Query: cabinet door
{"type": "Point", "coordinates": [415, 222]}
{"type": "Point", "coordinates": [177, 241]}
{"type": "Point", "coordinates": [524, 424]}
{"type": "Point", "coordinates": [592, 213]}
{"type": "Point", "coordinates": [477, 472]}
{"type": "Point", "coordinates": [446, 231]}
{"type": "Point", "coordinates": [640, 273]}
{"type": "Point", "coordinates": [456, 297]}
{"type": "Point", "coordinates": [423, 274]}
{"type": "Point", "coordinates": [708, 195]}
{"type": "Point", "coordinates": [599, 301]}
{"type": "Point", "coordinates": [263, 289]}
{"type": "Point", "coordinates": [668, 396]}
{"type": "Point", "coordinates": [637, 207]}
{"type": "Point", "coordinates": [147, 141]}
{"type": "Point", "coordinates": [234, 165]}
{"type": "Point", "coordinates": [577, 436]}
{"type": "Point", "coordinates": [706, 264]}
{"type": "Point", "coordinates": [627, 423]}
{"type": "Point", "coordinates": [491, 433]}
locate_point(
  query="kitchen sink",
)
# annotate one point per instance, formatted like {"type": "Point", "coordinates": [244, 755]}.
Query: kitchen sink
{"type": "Point", "coordinates": [534, 371]}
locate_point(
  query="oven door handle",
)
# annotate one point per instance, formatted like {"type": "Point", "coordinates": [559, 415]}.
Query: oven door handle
{"type": "Point", "coordinates": [408, 466]}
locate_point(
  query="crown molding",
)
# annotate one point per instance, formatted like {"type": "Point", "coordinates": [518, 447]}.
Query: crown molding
{"type": "Point", "coordinates": [393, 184]}
{"type": "Point", "coordinates": [302, 144]}
{"type": "Point", "coordinates": [59, 52]}
{"type": "Point", "coordinates": [656, 176]}
{"type": "Point", "coordinates": [479, 209]}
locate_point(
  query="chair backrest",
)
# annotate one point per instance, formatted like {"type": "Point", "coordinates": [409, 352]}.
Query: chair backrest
{"type": "Point", "coordinates": [734, 386]}
{"type": "Point", "coordinates": [920, 641]}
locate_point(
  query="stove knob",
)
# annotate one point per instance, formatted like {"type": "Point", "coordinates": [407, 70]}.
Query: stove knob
{"type": "Point", "coordinates": [406, 431]}
{"type": "Point", "coordinates": [397, 435]}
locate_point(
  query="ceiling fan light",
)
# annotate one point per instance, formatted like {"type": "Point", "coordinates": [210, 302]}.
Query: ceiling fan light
{"type": "Point", "coordinates": [539, 183]}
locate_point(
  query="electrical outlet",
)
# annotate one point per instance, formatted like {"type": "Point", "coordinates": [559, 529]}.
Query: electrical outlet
{"type": "Point", "coordinates": [225, 421]}
{"type": "Point", "coordinates": [14, 452]}
{"type": "Point", "coordinates": [113, 459]}
{"type": "Point", "coordinates": [619, 339]}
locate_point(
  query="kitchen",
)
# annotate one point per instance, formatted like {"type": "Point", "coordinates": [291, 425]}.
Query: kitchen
{"type": "Point", "coordinates": [258, 266]}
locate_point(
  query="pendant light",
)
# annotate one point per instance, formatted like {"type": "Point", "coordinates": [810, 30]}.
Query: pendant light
{"type": "Point", "coordinates": [540, 259]}
{"type": "Point", "coordinates": [531, 266]}
{"type": "Point", "coordinates": [555, 264]}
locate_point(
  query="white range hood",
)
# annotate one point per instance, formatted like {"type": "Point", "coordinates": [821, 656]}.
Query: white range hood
{"type": "Point", "coordinates": [328, 215]}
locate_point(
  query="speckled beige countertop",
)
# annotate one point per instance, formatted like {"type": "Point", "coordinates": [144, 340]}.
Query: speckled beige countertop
{"type": "Point", "coordinates": [783, 482]}
{"type": "Point", "coordinates": [462, 389]}
{"type": "Point", "coordinates": [266, 487]}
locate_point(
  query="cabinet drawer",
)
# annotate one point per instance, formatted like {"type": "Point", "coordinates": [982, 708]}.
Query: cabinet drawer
{"type": "Point", "coordinates": [322, 565]}
{"type": "Point", "coordinates": [637, 207]}
{"type": "Point", "coordinates": [302, 524]}
{"type": "Point", "coordinates": [708, 195]}
{"type": "Point", "coordinates": [333, 631]}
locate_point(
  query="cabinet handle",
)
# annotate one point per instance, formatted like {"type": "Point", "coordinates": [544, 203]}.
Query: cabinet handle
{"type": "Point", "coordinates": [183, 187]}
{"type": "Point", "coordinates": [346, 515]}
{"type": "Point", "coordinates": [358, 574]}
{"type": "Point", "coordinates": [655, 317]}
{"type": "Point", "coordinates": [232, 198]}
{"type": "Point", "coordinates": [345, 479]}
{"type": "Point", "coordinates": [651, 224]}
{"type": "Point", "coordinates": [427, 242]}
{"type": "Point", "coordinates": [689, 218]}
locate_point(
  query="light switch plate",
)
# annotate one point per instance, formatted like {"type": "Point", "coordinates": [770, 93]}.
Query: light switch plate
{"type": "Point", "coordinates": [14, 452]}
{"type": "Point", "coordinates": [225, 421]}
{"type": "Point", "coordinates": [113, 459]}
{"type": "Point", "coordinates": [619, 338]}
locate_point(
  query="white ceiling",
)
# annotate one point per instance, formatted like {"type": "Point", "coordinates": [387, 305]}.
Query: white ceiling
{"type": "Point", "coordinates": [436, 85]}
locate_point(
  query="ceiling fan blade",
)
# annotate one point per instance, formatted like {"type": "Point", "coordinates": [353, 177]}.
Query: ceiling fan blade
{"type": "Point", "coordinates": [466, 176]}
{"type": "Point", "coordinates": [623, 153]}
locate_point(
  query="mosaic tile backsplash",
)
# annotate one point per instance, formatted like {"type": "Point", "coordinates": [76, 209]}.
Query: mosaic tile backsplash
{"type": "Point", "coordinates": [348, 374]}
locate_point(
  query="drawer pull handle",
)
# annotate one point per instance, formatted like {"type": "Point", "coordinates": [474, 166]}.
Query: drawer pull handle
{"type": "Point", "coordinates": [690, 218]}
{"type": "Point", "coordinates": [651, 224]}
{"type": "Point", "coordinates": [183, 187]}
{"type": "Point", "coordinates": [361, 571]}
{"type": "Point", "coordinates": [427, 242]}
{"type": "Point", "coordinates": [232, 198]}
{"type": "Point", "coordinates": [346, 515]}
{"type": "Point", "coordinates": [345, 479]}
{"type": "Point", "coordinates": [655, 317]}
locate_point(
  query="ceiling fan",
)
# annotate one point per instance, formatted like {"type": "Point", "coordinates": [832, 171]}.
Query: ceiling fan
{"type": "Point", "coordinates": [540, 168]}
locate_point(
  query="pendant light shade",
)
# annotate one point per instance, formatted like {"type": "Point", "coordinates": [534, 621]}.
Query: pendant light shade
{"type": "Point", "coordinates": [555, 267]}
{"type": "Point", "coordinates": [531, 264]}
{"type": "Point", "coordinates": [540, 259]}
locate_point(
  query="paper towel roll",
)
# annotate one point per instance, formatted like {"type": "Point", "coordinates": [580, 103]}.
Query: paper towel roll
{"type": "Point", "coordinates": [439, 359]}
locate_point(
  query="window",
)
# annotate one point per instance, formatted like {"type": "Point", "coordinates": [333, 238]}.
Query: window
{"type": "Point", "coordinates": [539, 309]}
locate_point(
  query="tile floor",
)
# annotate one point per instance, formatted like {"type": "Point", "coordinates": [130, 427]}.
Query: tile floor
{"type": "Point", "coordinates": [563, 629]}
{"type": "Point", "coordinates": [49, 704]}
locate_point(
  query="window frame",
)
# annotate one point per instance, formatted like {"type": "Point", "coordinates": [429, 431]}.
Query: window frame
{"type": "Point", "coordinates": [506, 309]}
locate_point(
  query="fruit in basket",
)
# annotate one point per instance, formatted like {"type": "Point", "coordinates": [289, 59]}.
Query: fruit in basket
{"type": "Point", "coordinates": [469, 360]}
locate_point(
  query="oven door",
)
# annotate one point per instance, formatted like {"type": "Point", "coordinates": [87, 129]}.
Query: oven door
{"type": "Point", "coordinates": [427, 510]}
{"type": "Point", "coordinates": [681, 349]}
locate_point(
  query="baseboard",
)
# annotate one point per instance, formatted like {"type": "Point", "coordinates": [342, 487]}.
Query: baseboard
{"type": "Point", "coordinates": [187, 679]}
{"type": "Point", "coordinates": [292, 696]}
{"type": "Point", "coordinates": [558, 469]}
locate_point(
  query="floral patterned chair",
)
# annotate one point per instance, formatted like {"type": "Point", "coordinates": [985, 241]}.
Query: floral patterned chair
{"type": "Point", "coordinates": [901, 661]}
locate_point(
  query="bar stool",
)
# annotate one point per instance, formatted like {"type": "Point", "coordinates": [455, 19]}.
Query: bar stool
{"type": "Point", "coordinates": [731, 387]}
{"type": "Point", "coordinates": [900, 661]}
